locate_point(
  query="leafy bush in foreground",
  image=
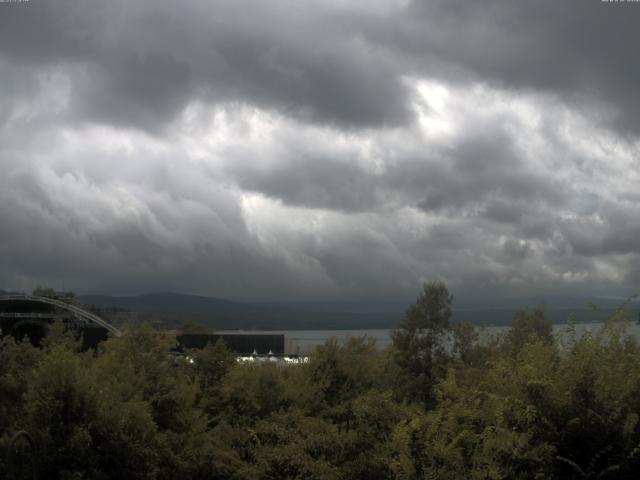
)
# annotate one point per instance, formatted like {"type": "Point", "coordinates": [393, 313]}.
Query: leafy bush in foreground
{"type": "Point", "coordinates": [525, 405]}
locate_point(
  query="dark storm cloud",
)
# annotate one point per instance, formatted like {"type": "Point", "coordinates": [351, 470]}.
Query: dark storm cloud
{"type": "Point", "coordinates": [312, 181]}
{"type": "Point", "coordinates": [616, 231]}
{"type": "Point", "coordinates": [141, 62]}
{"type": "Point", "coordinates": [124, 238]}
{"type": "Point", "coordinates": [579, 50]}
{"type": "Point", "coordinates": [283, 149]}
{"type": "Point", "coordinates": [481, 173]}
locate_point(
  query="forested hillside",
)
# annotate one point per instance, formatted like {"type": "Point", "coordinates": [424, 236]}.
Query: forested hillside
{"type": "Point", "coordinates": [526, 405]}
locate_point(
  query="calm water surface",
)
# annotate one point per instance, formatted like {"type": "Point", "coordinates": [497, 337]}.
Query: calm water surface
{"type": "Point", "coordinates": [302, 342]}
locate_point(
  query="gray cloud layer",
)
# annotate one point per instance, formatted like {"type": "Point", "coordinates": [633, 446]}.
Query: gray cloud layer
{"type": "Point", "coordinates": [324, 149]}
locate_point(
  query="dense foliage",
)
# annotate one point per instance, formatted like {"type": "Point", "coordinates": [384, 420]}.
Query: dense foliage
{"type": "Point", "coordinates": [438, 404]}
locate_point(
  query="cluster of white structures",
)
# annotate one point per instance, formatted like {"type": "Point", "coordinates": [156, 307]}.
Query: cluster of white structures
{"type": "Point", "coordinates": [270, 358]}
{"type": "Point", "coordinates": [253, 358]}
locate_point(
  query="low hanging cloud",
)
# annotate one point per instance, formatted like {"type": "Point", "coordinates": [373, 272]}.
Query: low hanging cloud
{"type": "Point", "coordinates": [323, 150]}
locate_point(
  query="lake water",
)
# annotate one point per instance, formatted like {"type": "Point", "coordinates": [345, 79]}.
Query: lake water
{"type": "Point", "coordinates": [302, 342]}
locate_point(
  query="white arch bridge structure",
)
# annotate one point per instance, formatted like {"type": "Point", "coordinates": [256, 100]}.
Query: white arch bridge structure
{"type": "Point", "coordinates": [80, 314]}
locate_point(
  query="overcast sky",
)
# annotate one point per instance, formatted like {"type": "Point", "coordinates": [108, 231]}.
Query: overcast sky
{"type": "Point", "coordinates": [330, 149]}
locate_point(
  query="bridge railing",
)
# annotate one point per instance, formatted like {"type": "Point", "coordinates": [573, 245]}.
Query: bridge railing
{"type": "Point", "coordinates": [91, 317]}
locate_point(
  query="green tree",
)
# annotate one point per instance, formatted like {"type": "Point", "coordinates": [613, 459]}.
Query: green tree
{"type": "Point", "coordinates": [191, 327]}
{"type": "Point", "coordinates": [251, 393]}
{"type": "Point", "coordinates": [340, 373]}
{"type": "Point", "coordinates": [140, 367]}
{"type": "Point", "coordinates": [291, 445]}
{"type": "Point", "coordinates": [82, 429]}
{"type": "Point", "coordinates": [210, 365]}
{"type": "Point", "coordinates": [418, 349]}
{"type": "Point", "coordinates": [17, 359]}
{"type": "Point", "coordinates": [528, 326]}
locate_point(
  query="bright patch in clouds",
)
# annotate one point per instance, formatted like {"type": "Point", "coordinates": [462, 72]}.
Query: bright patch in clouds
{"type": "Point", "coordinates": [323, 150]}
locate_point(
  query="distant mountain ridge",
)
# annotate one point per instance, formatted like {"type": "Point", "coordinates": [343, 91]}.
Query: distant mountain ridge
{"type": "Point", "coordinates": [5, 292]}
{"type": "Point", "coordinates": [216, 313]}
{"type": "Point", "coordinates": [173, 308]}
